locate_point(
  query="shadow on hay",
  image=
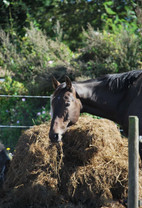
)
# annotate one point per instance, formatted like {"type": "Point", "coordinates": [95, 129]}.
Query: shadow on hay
{"type": "Point", "coordinates": [24, 199]}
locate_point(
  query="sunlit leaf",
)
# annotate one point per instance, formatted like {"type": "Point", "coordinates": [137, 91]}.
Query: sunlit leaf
{"type": "Point", "coordinates": [109, 10]}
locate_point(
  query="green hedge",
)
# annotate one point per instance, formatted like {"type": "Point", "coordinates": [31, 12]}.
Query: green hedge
{"type": "Point", "coordinates": [19, 111]}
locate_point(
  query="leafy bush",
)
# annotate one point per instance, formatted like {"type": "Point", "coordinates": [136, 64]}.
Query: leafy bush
{"type": "Point", "coordinates": [19, 111]}
{"type": "Point", "coordinates": [34, 57]}
{"type": "Point", "coordinates": [104, 52]}
{"type": "Point", "coordinates": [128, 51]}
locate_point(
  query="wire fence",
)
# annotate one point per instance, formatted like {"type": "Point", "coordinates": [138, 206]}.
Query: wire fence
{"type": "Point", "coordinates": [21, 96]}
{"type": "Point", "coordinates": [24, 96]}
{"type": "Point", "coordinates": [9, 134]}
{"type": "Point", "coordinates": [11, 126]}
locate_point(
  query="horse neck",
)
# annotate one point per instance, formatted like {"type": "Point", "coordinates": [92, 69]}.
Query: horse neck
{"type": "Point", "coordinates": [84, 91]}
{"type": "Point", "coordinates": [98, 100]}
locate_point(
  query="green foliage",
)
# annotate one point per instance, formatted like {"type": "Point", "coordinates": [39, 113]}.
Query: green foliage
{"type": "Point", "coordinates": [73, 15]}
{"type": "Point", "coordinates": [128, 51]}
{"type": "Point", "coordinates": [119, 15]}
{"type": "Point", "coordinates": [19, 111]}
{"type": "Point", "coordinates": [33, 56]}
{"type": "Point", "coordinates": [11, 87]}
{"type": "Point", "coordinates": [106, 52]}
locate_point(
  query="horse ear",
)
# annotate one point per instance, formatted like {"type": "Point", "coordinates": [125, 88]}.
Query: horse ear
{"type": "Point", "coordinates": [55, 83]}
{"type": "Point", "coordinates": [68, 82]}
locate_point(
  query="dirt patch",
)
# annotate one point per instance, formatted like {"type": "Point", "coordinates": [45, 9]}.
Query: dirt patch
{"type": "Point", "coordinates": [89, 169]}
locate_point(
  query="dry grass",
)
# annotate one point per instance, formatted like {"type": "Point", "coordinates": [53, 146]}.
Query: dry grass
{"type": "Point", "coordinates": [89, 170]}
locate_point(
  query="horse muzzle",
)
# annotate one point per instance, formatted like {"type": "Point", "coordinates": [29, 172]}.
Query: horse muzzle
{"type": "Point", "coordinates": [57, 129]}
{"type": "Point", "coordinates": [55, 137]}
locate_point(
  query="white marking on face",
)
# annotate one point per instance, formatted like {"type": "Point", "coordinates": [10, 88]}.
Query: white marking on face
{"type": "Point", "coordinates": [51, 108]}
{"type": "Point", "coordinates": [59, 137]}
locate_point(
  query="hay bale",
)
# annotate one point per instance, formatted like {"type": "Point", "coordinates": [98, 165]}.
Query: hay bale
{"type": "Point", "coordinates": [33, 175]}
{"type": "Point", "coordinates": [94, 168]}
{"type": "Point", "coordinates": [95, 162]}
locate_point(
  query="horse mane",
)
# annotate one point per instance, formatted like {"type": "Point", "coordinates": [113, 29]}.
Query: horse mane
{"type": "Point", "coordinates": [117, 82]}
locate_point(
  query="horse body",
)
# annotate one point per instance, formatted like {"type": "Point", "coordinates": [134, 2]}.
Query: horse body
{"type": "Point", "coordinates": [113, 105]}
{"type": "Point", "coordinates": [114, 97]}
{"type": "Point", "coordinates": [100, 102]}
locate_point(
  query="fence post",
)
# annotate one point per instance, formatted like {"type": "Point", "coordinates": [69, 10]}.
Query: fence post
{"type": "Point", "coordinates": [133, 167]}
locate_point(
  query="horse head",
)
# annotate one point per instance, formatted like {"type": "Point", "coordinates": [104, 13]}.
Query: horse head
{"type": "Point", "coordinates": [65, 107]}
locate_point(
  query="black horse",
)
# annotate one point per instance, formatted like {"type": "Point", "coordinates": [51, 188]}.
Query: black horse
{"type": "Point", "coordinates": [113, 96]}
{"type": "Point", "coordinates": [4, 163]}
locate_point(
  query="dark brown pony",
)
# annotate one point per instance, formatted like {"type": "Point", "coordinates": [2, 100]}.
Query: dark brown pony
{"type": "Point", "coordinates": [114, 96]}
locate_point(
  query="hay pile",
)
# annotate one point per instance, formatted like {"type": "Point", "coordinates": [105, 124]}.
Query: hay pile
{"type": "Point", "coordinates": [95, 164]}
{"type": "Point", "coordinates": [32, 177]}
{"type": "Point", "coordinates": [87, 171]}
